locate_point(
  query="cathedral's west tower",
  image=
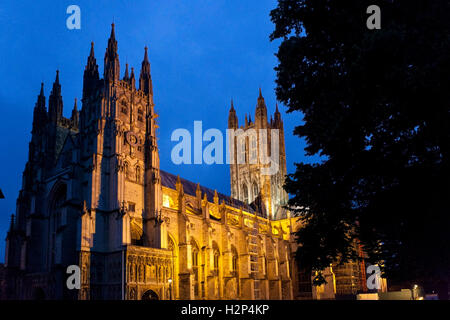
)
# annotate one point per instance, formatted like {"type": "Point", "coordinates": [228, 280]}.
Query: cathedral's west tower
{"type": "Point", "coordinates": [119, 141]}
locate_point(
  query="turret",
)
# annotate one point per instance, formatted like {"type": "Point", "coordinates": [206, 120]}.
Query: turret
{"type": "Point", "coordinates": [232, 118]}
{"type": "Point", "coordinates": [91, 76]}
{"type": "Point", "coordinates": [111, 66]}
{"type": "Point", "coordinates": [39, 113]}
{"type": "Point", "coordinates": [75, 115]}
{"type": "Point", "coordinates": [132, 80]}
{"type": "Point", "coordinates": [145, 79]}
{"type": "Point", "coordinates": [55, 104]}
{"type": "Point", "coordinates": [261, 112]}
{"type": "Point", "coordinates": [126, 77]}
{"type": "Point", "coordinates": [277, 122]}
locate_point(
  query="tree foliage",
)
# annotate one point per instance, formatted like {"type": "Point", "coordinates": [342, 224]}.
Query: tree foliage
{"type": "Point", "coordinates": [376, 107]}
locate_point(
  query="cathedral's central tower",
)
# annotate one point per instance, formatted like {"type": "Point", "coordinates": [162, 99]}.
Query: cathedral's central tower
{"type": "Point", "coordinates": [249, 183]}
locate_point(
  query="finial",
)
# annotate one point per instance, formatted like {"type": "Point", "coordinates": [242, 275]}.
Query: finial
{"type": "Point", "coordinates": [276, 108]}
{"type": "Point", "coordinates": [57, 76]}
{"type": "Point", "coordinates": [146, 53]}
{"type": "Point", "coordinates": [11, 227]}
{"type": "Point", "coordinates": [113, 33]}
{"type": "Point", "coordinates": [75, 105]}
{"type": "Point", "coordinates": [42, 89]}
{"type": "Point", "coordinates": [92, 49]}
{"type": "Point", "coordinates": [232, 105]}
{"type": "Point", "coordinates": [126, 72]}
{"type": "Point", "coordinates": [260, 94]}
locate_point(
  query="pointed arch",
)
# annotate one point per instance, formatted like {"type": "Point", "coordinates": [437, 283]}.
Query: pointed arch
{"type": "Point", "coordinates": [57, 218]}
{"type": "Point", "coordinates": [255, 190]}
{"type": "Point", "coordinates": [196, 256]}
{"type": "Point", "coordinates": [234, 260]}
{"type": "Point", "coordinates": [172, 245]}
{"type": "Point", "coordinates": [244, 195]}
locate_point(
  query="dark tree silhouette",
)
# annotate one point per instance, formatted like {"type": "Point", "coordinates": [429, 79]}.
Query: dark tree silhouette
{"type": "Point", "coordinates": [376, 107]}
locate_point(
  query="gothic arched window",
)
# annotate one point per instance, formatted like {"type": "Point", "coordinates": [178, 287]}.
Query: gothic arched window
{"type": "Point", "coordinates": [123, 107]}
{"type": "Point", "coordinates": [195, 264]}
{"type": "Point", "coordinates": [241, 148]}
{"type": "Point", "coordinates": [234, 264]}
{"type": "Point", "coordinates": [57, 220]}
{"type": "Point", "coordinates": [255, 190]}
{"type": "Point", "coordinates": [253, 148]}
{"type": "Point", "coordinates": [140, 115]}
{"type": "Point", "coordinates": [244, 193]}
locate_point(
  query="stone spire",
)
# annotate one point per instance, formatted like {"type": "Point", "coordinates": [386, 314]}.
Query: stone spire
{"type": "Point", "coordinates": [40, 112]}
{"type": "Point", "coordinates": [277, 122]}
{"type": "Point", "coordinates": [132, 80]}
{"type": "Point", "coordinates": [75, 115]}
{"type": "Point", "coordinates": [91, 74]}
{"type": "Point", "coordinates": [145, 79]}
{"type": "Point", "coordinates": [112, 66]}
{"type": "Point", "coordinates": [261, 112]}
{"type": "Point", "coordinates": [126, 77]}
{"type": "Point", "coordinates": [55, 104]}
{"type": "Point", "coordinates": [232, 118]}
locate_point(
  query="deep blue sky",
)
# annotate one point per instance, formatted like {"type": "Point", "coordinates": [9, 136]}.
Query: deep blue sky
{"type": "Point", "coordinates": [202, 54]}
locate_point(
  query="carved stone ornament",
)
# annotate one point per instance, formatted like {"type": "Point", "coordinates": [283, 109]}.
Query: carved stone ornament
{"type": "Point", "coordinates": [132, 139]}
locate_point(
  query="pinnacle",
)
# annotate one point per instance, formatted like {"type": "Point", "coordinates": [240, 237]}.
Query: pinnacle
{"type": "Point", "coordinates": [146, 54]}
{"type": "Point", "coordinates": [113, 33]}
{"type": "Point", "coordinates": [91, 54]}
{"type": "Point", "coordinates": [126, 77]}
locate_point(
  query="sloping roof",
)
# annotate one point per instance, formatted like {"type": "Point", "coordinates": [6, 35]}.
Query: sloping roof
{"type": "Point", "coordinates": [169, 180]}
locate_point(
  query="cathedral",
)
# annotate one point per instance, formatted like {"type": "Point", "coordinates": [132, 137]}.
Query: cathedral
{"type": "Point", "coordinates": [93, 196]}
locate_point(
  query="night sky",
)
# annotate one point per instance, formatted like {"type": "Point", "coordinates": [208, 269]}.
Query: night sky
{"type": "Point", "coordinates": [202, 54]}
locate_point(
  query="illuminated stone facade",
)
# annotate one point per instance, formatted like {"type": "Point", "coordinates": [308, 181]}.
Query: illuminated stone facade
{"type": "Point", "coordinates": [93, 195]}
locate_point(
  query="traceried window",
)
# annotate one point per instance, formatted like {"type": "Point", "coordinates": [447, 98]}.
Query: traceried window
{"type": "Point", "coordinates": [242, 156]}
{"type": "Point", "coordinates": [234, 260]}
{"type": "Point", "coordinates": [57, 221]}
{"type": "Point", "coordinates": [253, 150]}
{"type": "Point", "coordinates": [244, 193]}
{"type": "Point", "coordinates": [123, 107]}
{"type": "Point", "coordinates": [195, 268]}
{"type": "Point", "coordinates": [255, 190]}
{"type": "Point", "coordinates": [140, 115]}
